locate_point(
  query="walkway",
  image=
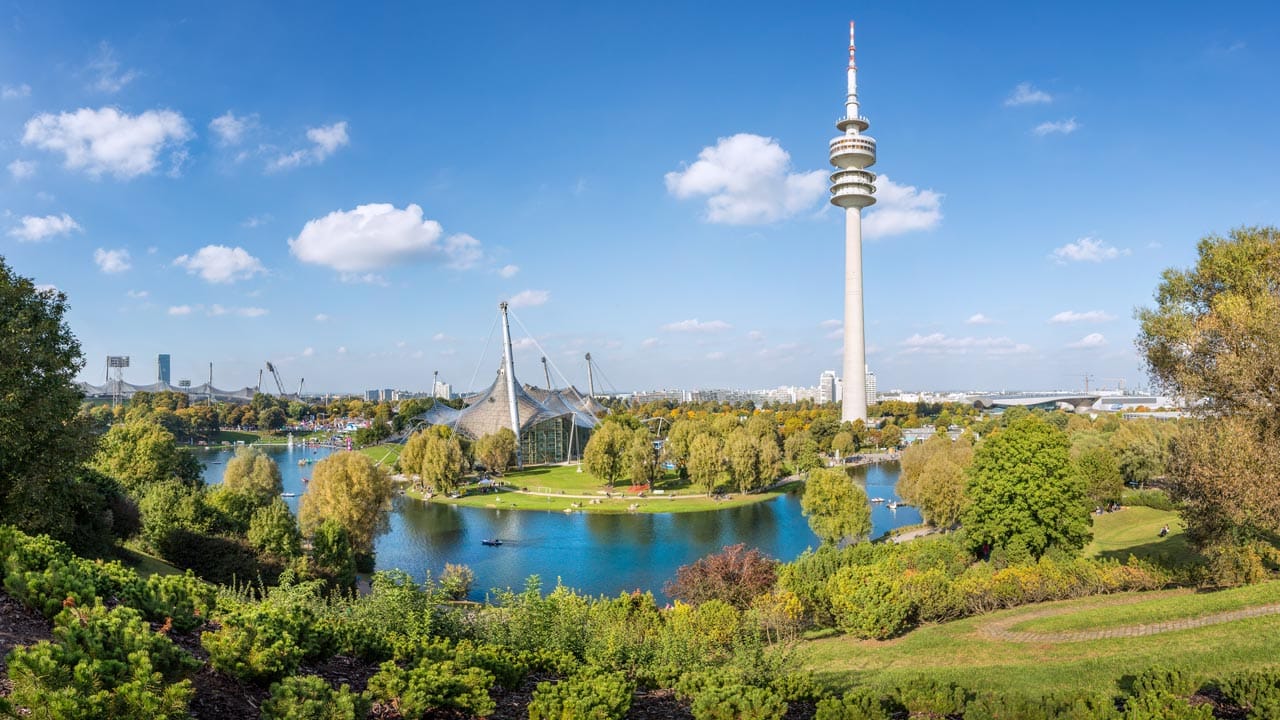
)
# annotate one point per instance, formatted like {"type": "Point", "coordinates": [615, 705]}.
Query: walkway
{"type": "Point", "coordinates": [999, 629]}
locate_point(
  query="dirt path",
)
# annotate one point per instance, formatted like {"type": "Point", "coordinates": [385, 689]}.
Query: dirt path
{"type": "Point", "coordinates": [1000, 629]}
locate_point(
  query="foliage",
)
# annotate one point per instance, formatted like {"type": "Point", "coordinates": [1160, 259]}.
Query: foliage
{"type": "Point", "coordinates": [1253, 688]}
{"type": "Point", "coordinates": [1024, 492]}
{"type": "Point", "coordinates": [753, 461]}
{"type": "Point", "coordinates": [605, 454]}
{"type": "Point", "coordinates": [267, 640]}
{"type": "Point", "coordinates": [1152, 498]}
{"type": "Point", "coordinates": [837, 507]}
{"type": "Point", "coordinates": [868, 601]}
{"type": "Point", "coordinates": [1098, 470]}
{"type": "Point", "coordinates": [589, 695]}
{"type": "Point", "coordinates": [184, 601]}
{"type": "Point", "coordinates": [308, 697]}
{"type": "Point", "coordinates": [735, 575]}
{"type": "Point", "coordinates": [456, 580]}
{"type": "Point", "coordinates": [252, 473]}
{"type": "Point", "coordinates": [706, 461]}
{"type": "Point", "coordinates": [801, 451]}
{"type": "Point", "coordinates": [442, 462]}
{"type": "Point", "coordinates": [169, 506]}
{"type": "Point", "coordinates": [930, 698]}
{"type": "Point", "coordinates": [738, 702]}
{"type": "Point", "coordinates": [933, 478]}
{"type": "Point", "coordinates": [857, 704]}
{"type": "Point", "coordinates": [332, 553]}
{"type": "Point", "coordinates": [273, 530]}
{"type": "Point", "coordinates": [497, 451]}
{"type": "Point", "coordinates": [431, 686]}
{"type": "Point", "coordinates": [141, 453]}
{"type": "Point", "coordinates": [101, 663]}
{"type": "Point", "coordinates": [642, 458]}
{"type": "Point", "coordinates": [346, 487]}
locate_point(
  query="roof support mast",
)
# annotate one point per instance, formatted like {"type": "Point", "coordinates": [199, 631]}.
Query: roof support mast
{"type": "Point", "coordinates": [509, 370]}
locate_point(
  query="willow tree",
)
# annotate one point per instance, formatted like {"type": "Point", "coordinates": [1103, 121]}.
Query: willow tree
{"type": "Point", "coordinates": [836, 506]}
{"type": "Point", "coordinates": [348, 488]}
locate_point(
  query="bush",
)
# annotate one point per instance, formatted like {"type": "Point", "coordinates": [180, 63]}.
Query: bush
{"type": "Point", "coordinates": [592, 695]}
{"type": "Point", "coordinates": [857, 704]}
{"type": "Point", "coordinates": [185, 600]}
{"type": "Point", "coordinates": [1249, 689]}
{"type": "Point", "coordinates": [1152, 498]}
{"type": "Point", "coordinates": [456, 580]}
{"type": "Point", "coordinates": [264, 641]}
{"type": "Point", "coordinates": [419, 691]}
{"type": "Point", "coordinates": [738, 702]}
{"type": "Point", "coordinates": [45, 590]}
{"type": "Point", "coordinates": [1157, 680]}
{"type": "Point", "coordinates": [308, 697]}
{"type": "Point", "coordinates": [1231, 565]}
{"type": "Point", "coordinates": [1081, 706]}
{"type": "Point", "coordinates": [869, 602]}
{"type": "Point", "coordinates": [102, 663]}
{"type": "Point", "coordinates": [1163, 706]}
{"type": "Point", "coordinates": [734, 575]}
{"type": "Point", "coordinates": [933, 699]}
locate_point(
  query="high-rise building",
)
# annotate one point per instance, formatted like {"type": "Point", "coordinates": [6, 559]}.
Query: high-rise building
{"type": "Point", "coordinates": [162, 368]}
{"type": "Point", "coordinates": [871, 386]}
{"type": "Point", "coordinates": [853, 188]}
{"type": "Point", "coordinates": [827, 387]}
{"type": "Point", "coordinates": [442, 390]}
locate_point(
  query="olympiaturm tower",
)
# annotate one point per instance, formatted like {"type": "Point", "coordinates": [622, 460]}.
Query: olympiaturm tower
{"type": "Point", "coordinates": [853, 188]}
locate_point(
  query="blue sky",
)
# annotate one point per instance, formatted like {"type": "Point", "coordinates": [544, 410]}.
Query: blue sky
{"type": "Point", "coordinates": [348, 191]}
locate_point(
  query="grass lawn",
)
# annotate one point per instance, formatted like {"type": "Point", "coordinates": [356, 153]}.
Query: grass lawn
{"type": "Point", "coordinates": [1136, 530]}
{"type": "Point", "coordinates": [235, 436]}
{"type": "Point", "coordinates": [1155, 608]}
{"type": "Point", "coordinates": [383, 454]}
{"type": "Point", "coordinates": [509, 499]}
{"type": "Point", "coordinates": [958, 652]}
{"type": "Point", "coordinates": [146, 565]}
{"type": "Point", "coordinates": [567, 479]}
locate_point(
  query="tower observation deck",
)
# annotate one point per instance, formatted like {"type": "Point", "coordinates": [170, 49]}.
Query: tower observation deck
{"type": "Point", "coordinates": [853, 188]}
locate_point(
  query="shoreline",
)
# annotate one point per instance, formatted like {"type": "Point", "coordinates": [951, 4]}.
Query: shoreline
{"type": "Point", "coordinates": [599, 504]}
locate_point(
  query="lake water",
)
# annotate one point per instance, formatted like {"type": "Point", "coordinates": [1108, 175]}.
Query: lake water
{"type": "Point", "coordinates": [593, 553]}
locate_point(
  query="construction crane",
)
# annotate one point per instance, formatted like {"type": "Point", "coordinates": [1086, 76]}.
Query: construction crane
{"type": "Point", "coordinates": [276, 375]}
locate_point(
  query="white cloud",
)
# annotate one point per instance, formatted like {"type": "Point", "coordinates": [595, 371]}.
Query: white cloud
{"type": "Point", "coordinates": [978, 319]}
{"type": "Point", "coordinates": [21, 169]}
{"type": "Point", "coordinates": [105, 70]}
{"type": "Point", "coordinates": [378, 236]}
{"type": "Point", "coordinates": [36, 229]}
{"type": "Point", "coordinates": [325, 140]}
{"type": "Point", "coordinates": [529, 298]}
{"type": "Point", "coordinates": [509, 271]}
{"type": "Point", "coordinates": [1059, 127]}
{"type": "Point", "coordinates": [342, 349]}
{"type": "Point", "coordinates": [221, 264]}
{"type": "Point", "coordinates": [748, 179]}
{"type": "Point", "coordinates": [1071, 316]}
{"type": "Point", "coordinates": [831, 323]}
{"type": "Point", "coordinates": [138, 294]}
{"type": "Point", "coordinates": [1092, 340]}
{"type": "Point", "coordinates": [180, 310]}
{"type": "Point", "coordinates": [308, 352]}
{"type": "Point", "coordinates": [231, 129]}
{"type": "Point", "coordinates": [650, 342]}
{"type": "Point", "coordinates": [717, 355]}
{"type": "Point", "coordinates": [112, 261]}
{"type": "Point", "coordinates": [254, 221]}
{"type": "Point", "coordinates": [524, 343]}
{"type": "Point", "coordinates": [363, 278]}
{"type": "Point", "coordinates": [107, 140]}
{"type": "Point", "coordinates": [939, 343]}
{"type": "Point", "coordinates": [46, 288]}
{"type": "Point", "coordinates": [439, 337]}
{"type": "Point", "coordinates": [835, 334]}
{"type": "Point", "coordinates": [1086, 249]}
{"type": "Point", "coordinates": [755, 335]}
{"type": "Point", "coordinates": [13, 92]}
{"type": "Point", "coordinates": [1027, 94]}
{"type": "Point", "coordinates": [901, 209]}
{"type": "Point", "coordinates": [216, 310]}
{"type": "Point", "coordinates": [321, 317]}
{"type": "Point", "coordinates": [697, 326]}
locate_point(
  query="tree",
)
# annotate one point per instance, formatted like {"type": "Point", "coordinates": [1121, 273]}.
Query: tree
{"type": "Point", "coordinates": [1139, 452]}
{"type": "Point", "coordinates": [802, 451]}
{"type": "Point", "coordinates": [1024, 493]}
{"type": "Point", "coordinates": [837, 507]}
{"type": "Point", "coordinates": [842, 443]}
{"type": "Point", "coordinates": [332, 552]}
{"type": "Point", "coordinates": [706, 461]}
{"type": "Point", "coordinates": [1098, 469]}
{"type": "Point", "coordinates": [605, 454]}
{"type": "Point", "coordinates": [734, 575]}
{"type": "Point", "coordinates": [497, 451]}
{"type": "Point", "coordinates": [642, 458]}
{"type": "Point", "coordinates": [253, 474]}
{"type": "Point", "coordinates": [273, 530]}
{"type": "Point", "coordinates": [442, 463]}
{"type": "Point", "coordinates": [272, 419]}
{"type": "Point", "coordinates": [933, 478]}
{"type": "Point", "coordinates": [349, 489]}
{"type": "Point", "coordinates": [141, 453]}
{"type": "Point", "coordinates": [891, 436]}
{"type": "Point", "coordinates": [744, 460]}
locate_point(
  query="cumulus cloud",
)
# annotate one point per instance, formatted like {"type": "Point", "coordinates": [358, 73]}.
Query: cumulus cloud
{"type": "Point", "coordinates": [1086, 249]}
{"type": "Point", "coordinates": [901, 209]}
{"type": "Point", "coordinates": [377, 236]}
{"type": "Point", "coordinates": [221, 264]}
{"type": "Point", "coordinates": [1071, 316]}
{"type": "Point", "coordinates": [231, 129]}
{"type": "Point", "coordinates": [755, 336]}
{"type": "Point", "coordinates": [22, 169]}
{"type": "Point", "coordinates": [1092, 340]}
{"type": "Point", "coordinates": [697, 326]}
{"type": "Point", "coordinates": [978, 319]}
{"type": "Point", "coordinates": [440, 337]}
{"type": "Point", "coordinates": [112, 261]}
{"type": "Point", "coordinates": [107, 140]}
{"type": "Point", "coordinates": [104, 70]}
{"type": "Point", "coordinates": [321, 317]}
{"type": "Point", "coordinates": [747, 179]}
{"type": "Point", "coordinates": [216, 310]}
{"type": "Point", "coordinates": [1027, 94]}
{"type": "Point", "coordinates": [650, 342]}
{"type": "Point", "coordinates": [138, 294]}
{"type": "Point", "coordinates": [308, 352]}
{"type": "Point", "coordinates": [325, 140]}
{"type": "Point", "coordinates": [14, 92]}
{"type": "Point", "coordinates": [529, 298]}
{"type": "Point", "coordinates": [1057, 127]}
{"type": "Point", "coordinates": [939, 343]}
{"type": "Point", "coordinates": [36, 229]}
{"type": "Point", "coordinates": [509, 271]}
{"type": "Point", "coordinates": [180, 310]}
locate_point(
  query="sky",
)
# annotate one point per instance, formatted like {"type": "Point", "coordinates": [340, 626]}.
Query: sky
{"type": "Point", "coordinates": [349, 190]}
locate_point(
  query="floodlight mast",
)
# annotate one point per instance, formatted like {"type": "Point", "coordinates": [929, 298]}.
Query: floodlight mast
{"type": "Point", "coordinates": [509, 370]}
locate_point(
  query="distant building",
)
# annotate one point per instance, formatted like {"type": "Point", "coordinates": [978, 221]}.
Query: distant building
{"type": "Point", "coordinates": [371, 395]}
{"type": "Point", "coordinates": [442, 390]}
{"type": "Point", "coordinates": [162, 368]}
{"type": "Point", "coordinates": [648, 396]}
{"type": "Point", "coordinates": [827, 387]}
{"type": "Point", "coordinates": [871, 385]}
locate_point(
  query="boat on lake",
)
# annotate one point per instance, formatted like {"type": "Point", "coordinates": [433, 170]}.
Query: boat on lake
{"type": "Point", "coordinates": [495, 542]}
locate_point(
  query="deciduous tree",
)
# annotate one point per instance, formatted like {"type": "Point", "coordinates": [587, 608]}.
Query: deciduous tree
{"type": "Point", "coordinates": [605, 454]}
{"type": "Point", "coordinates": [442, 463]}
{"type": "Point", "coordinates": [706, 461]}
{"type": "Point", "coordinates": [642, 458]}
{"type": "Point", "coordinates": [252, 473]}
{"type": "Point", "coordinates": [933, 478]}
{"type": "Point", "coordinates": [349, 489]}
{"type": "Point", "coordinates": [1098, 469]}
{"type": "Point", "coordinates": [497, 451]}
{"type": "Point", "coordinates": [836, 506]}
{"type": "Point", "coordinates": [141, 453]}
{"type": "Point", "coordinates": [735, 575]}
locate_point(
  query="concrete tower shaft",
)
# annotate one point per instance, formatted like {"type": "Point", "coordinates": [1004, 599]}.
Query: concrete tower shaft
{"type": "Point", "coordinates": [853, 188]}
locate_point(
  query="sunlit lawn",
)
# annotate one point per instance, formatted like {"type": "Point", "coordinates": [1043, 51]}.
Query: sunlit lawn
{"type": "Point", "coordinates": [1136, 530]}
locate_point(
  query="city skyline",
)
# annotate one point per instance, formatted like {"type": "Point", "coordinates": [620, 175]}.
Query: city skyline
{"type": "Point", "coordinates": [646, 185]}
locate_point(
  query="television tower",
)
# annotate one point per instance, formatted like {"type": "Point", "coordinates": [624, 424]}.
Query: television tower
{"type": "Point", "coordinates": [853, 188]}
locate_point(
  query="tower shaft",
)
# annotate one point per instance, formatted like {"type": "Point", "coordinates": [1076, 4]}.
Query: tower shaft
{"type": "Point", "coordinates": [854, 404]}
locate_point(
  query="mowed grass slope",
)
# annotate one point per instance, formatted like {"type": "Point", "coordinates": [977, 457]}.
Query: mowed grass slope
{"type": "Point", "coordinates": [1136, 531]}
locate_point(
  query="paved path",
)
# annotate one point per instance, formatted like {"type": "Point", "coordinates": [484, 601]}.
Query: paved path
{"type": "Point", "coordinates": [1000, 629]}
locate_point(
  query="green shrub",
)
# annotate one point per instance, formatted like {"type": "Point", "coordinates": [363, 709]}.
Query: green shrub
{"type": "Point", "coordinates": [933, 595]}
{"type": "Point", "coordinates": [432, 686]}
{"type": "Point", "coordinates": [1249, 689]}
{"type": "Point", "coordinates": [1231, 565]}
{"type": "Point", "coordinates": [1152, 498]}
{"type": "Point", "coordinates": [308, 697]}
{"type": "Point", "coordinates": [1163, 706]}
{"type": "Point", "coordinates": [185, 600]}
{"type": "Point", "coordinates": [264, 641]}
{"type": "Point", "coordinates": [590, 695]}
{"type": "Point", "coordinates": [932, 698]}
{"type": "Point", "coordinates": [102, 664]}
{"type": "Point", "coordinates": [797, 687]}
{"type": "Point", "coordinates": [46, 589]}
{"type": "Point", "coordinates": [692, 684]}
{"type": "Point", "coordinates": [857, 704]}
{"type": "Point", "coordinates": [1070, 706]}
{"type": "Point", "coordinates": [738, 702]}
{"type": "Point", "coordinates": [869, 601]}
{"type": "Point", "coordinates": [1157, 680]}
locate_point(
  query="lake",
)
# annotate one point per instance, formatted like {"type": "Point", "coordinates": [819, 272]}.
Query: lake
{"type": "Point", "coordinates": [594, 553]}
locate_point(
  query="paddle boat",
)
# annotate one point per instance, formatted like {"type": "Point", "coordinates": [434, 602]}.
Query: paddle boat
{"type": "Point", "coordinates": [495, 542]}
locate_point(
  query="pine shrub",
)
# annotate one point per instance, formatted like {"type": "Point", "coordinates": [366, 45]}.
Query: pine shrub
{"type": "Point", "coordinates": [308, 697]}
{"type": "Point", "coordinates": [589, 695]}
